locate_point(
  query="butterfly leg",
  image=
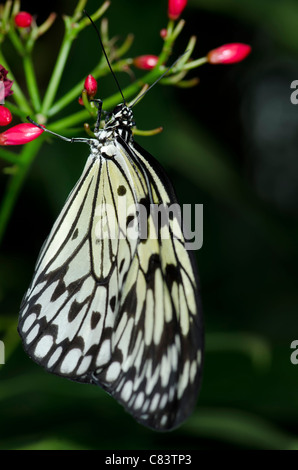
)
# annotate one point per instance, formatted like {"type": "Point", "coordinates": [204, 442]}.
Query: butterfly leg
{"type": "Point", "coordinates": [98, 104]}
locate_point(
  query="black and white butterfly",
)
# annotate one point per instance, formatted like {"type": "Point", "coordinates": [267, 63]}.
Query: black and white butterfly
{"type": "Point", "coordinates": [119, 311]}
{"type": "Point", "coordinates": [113, 304]}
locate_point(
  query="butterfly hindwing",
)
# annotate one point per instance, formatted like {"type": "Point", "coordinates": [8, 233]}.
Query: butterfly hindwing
{"type": "Point", "coordinates": [161, 359]}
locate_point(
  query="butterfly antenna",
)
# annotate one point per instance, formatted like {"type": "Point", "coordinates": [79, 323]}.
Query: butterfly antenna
{"type": "Point", "coordinates": [138, 98]}
{"type": "Point", "coordinates": [105, 54]}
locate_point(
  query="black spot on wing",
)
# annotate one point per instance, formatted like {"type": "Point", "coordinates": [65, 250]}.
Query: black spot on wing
{"type": "Point", "coordinates": [121, 190]}
{"type": "Point", "coordinates": [113, 302]}
{"type": "Point", "coordinates": [172, 275]}
{"type": "Point", "coordinates": [129, 219]}
{"type": "Point", "coordinates": [154, 263]}
{"type": "Point", "coordinates": [121, 265]}
{"type": "Point", "coordinates": [60, 289]}
{"type": "Point", "coordinates": [95, 319]}
{"type": "Point", "coordinates": [75, 234]}
{"type": "Point", "coordinates": [145, 202]}
{"type": "Point", "coordinates": [74, 310]}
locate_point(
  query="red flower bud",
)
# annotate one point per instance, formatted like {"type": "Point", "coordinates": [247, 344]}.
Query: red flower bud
{"type": "Point", "coordinates": [80, 100]}
{"type": "Point", "coordinates": [145, 62]}
{"type": "Point", "coordinates": [23, 19]}
{"type": "Point", "coordinates": [90, 86]}
{"type": "Point", "coordinates": [5, 116]}
{"type": "Point", "coordinates": [20, 134]}
{"type": "Point", "coordinates": [175, 8]}
{"type": "Point", "coordinates": [229, 53]}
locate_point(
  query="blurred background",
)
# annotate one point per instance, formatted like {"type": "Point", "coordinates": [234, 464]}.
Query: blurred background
{"type": "Point", "coordinates": [231, 144]}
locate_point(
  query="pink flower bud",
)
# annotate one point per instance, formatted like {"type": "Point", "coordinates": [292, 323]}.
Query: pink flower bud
{"type": "Point", "coordinates": [145, 62]}
{"type": "Point", "coordinates": [5, 116]}
{"type": "Point", "coordinates": [163, 33]}
{"type": "Point", "coordinates": [20, 134]}
{"type": "Point", "coordinates": [175, 8]}
{"type": "Point", "coordinates": [90, 86]}
{"type": "Point", "coordinates": [229, 53]}
{"type": "Point", "coordinates": [23, 19]}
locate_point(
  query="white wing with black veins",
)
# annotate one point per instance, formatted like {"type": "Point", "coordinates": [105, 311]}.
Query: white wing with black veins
{"type": "Point", "coordinates": [108, 307]}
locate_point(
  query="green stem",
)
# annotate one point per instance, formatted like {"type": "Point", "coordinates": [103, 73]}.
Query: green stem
{"type": "Point", "coordinates": [16, 41]}
{"type": "Point", "coordinates": [15, 110]}
{"type": "Point", "coordinates": [57, 74]}
{"type": "Point", "coordinates": [70, 33]}
{"type": "Point", "coordinates": [16, 181]}
{"type": "Point", "coordinates": [9, 156]}
{"type": "Point", "coordinates": [31, 82]}
{"type": "Point", "coordinates": [195, 63]}
{"type": "Point", "coordinates": [69, 121]}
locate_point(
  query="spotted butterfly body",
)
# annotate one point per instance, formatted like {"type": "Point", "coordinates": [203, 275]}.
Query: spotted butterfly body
{"type": "Point", "coordinates": [122, 311]}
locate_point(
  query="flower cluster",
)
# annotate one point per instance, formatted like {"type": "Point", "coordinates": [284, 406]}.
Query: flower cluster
{"type": "Point", "coordinates": [22, 20]}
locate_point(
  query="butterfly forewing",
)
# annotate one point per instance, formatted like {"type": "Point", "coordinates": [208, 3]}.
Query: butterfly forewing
{"type": "Point", "coordinates": [68, 312]}
{"type": "Point", "coordinates": [114, 299]}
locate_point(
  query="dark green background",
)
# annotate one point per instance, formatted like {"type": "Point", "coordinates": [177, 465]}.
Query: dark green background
{"type": "Point", "coordinates": [230, 143]}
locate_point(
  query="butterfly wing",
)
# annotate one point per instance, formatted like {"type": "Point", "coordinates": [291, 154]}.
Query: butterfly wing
{"type": "Point", "coordinates": [121, 312]}
{"type": "Point", "coordinates": [156, 367]}
{"type": "Point", "coordinates": [67, 315]}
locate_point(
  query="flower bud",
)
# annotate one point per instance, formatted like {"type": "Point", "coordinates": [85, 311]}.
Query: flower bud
{"type": "Point", "coordinates": [163, 33]}
{"type": "Point", "coordinates": [23, 19]}
{"type": "Point", "coordinates": [20, 134]}
{"type": "Point", "coordinates": [145, 62]}
{"type": "Point", "coordinates": [229, 53]}
{"type": "Point", "coordinates": [90, 86]}
{"type": "Point", "coordinates": [5, 116]}
{"type": "Point", "coordinates": [175, 8]}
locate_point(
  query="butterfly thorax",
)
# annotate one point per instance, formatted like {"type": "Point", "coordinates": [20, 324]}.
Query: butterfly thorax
{"type": "Point", "coordinates": [119, 124]}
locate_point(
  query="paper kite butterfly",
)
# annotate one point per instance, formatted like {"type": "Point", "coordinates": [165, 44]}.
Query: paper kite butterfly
{"type": "Point", "coordinates": [108, 305]}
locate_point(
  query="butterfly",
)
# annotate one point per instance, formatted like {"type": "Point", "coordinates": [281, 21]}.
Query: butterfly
{"type": "Point", "coordinates": [114, 300]}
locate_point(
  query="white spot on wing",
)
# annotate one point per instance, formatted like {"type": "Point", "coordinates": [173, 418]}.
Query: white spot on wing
{"type": "Point", "coordinates": [154, 402]}
{"type": "Point", "coordinates": [104, 354]}
{"type": "Point", "coordinates": [164, 420]}
{"type": "Point", "coordinates": [70, 361]}
{"type": "Point", "coordinates": [183, 380]}
{"type": "Point", "coordinates": [193, 370]}
{"type": "Point", "coordinates": [127, 390]}
{"type": "Point", "coordinates": [43, 346]}
{"type": "Point", "coordinates": [113, 371]}
{"type": "Point", "coordinates": [55, 356]}
{"type": "Point", "coordinates": [149, 317]}
{"type": "Point", "coordinates": [29, 322]}
{"type": "Point", "coordinates": [84, 366]}
{"type": "Point", "coordinates": [163, 401]}
{"type": "Point", "coordinates": [32, 335]}
{"type": "Point", "coordinates": [140, 400]}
